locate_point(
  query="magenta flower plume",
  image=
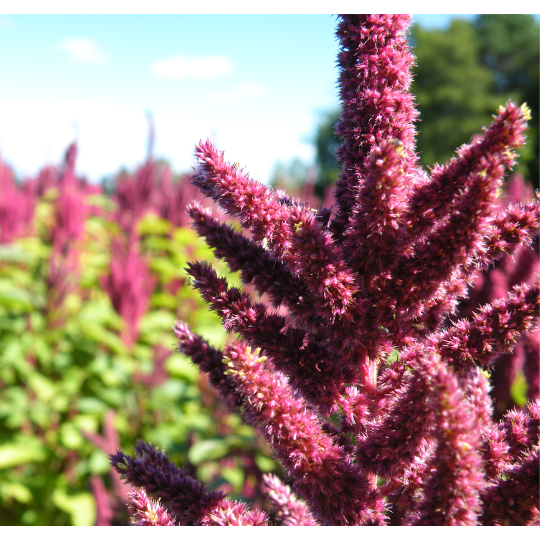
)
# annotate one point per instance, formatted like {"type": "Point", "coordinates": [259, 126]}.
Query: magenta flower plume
{"type": "Point", "coordinates": [130, 286]}
{"type": "Point", "coordinates": [257, 267]}
{"type": "Point", "coordinates": [376, 228]}
{"type": "Point", "coordinates": [505, 442]}
{"type": "Point", "coordinates": [322, 473]}
{"type": "Point", "coordinates": [16, 207]}
{"type": "Point", "coordinates": [452, 493]}
{"type": "Point", "coordinates": [494, 330]}
{"type": "Point", "coordinates": [436, 199]}
{"type": "Point", "coordinates": [290, 353]}
{"type": "Point", "coordinates": [375, 75]}
{"type": "Point", "coordinates": [370, 381]}
{"type": "Point", "coordinates": [513, 500]}
{"type": "Point", "coordinates": [291, 511]}
{"type": "Point", "coordinates": [291, 232]}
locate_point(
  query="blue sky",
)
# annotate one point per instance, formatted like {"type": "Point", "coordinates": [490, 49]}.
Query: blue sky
{"type": "Point", "coordinates": [256, 85]}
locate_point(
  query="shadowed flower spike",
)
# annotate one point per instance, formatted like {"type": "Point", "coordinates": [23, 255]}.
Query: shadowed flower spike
{"type": "Point", "coordinates": [289, 353]}
{"type": "Point", "coordinates": [513, 499]}
{"type": "Point", "coordinates": [183, 496]}
{"type": "Point", "coordinates": [358, 366]}
{"type": "Point", "coordinates": [209, 360]}
{"type": "Point", "coordinates": [292, 233]}
{"type": "Point", "coordinates": [257, 267]}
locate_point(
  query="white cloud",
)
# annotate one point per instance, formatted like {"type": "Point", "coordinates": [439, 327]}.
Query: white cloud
{"type": "Point", "coordinates": [241, 90]}
{"type": "Point", "coordinates": [36, 132]}
{"type": "Point", "coordinates": [250, 89]}
{"type": "Point", "coordinates": [83, 50]}
{"type": "Point", "coordinates": [197, 67]}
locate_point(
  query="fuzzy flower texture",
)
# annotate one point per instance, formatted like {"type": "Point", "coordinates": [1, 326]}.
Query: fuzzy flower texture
{"type": "Point", "coordinates": [370, 391]}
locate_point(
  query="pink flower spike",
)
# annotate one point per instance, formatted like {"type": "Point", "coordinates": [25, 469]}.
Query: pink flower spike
{"type": "Point", "coordinates": [452, 492]}
{"type": "Point", "coordinates": [323, 475]}
{"type": "Point", "coordinates": [375, 76]}
{"type": "Point", "coordinates": [147, 512]}
{"type": "Point", "coordinates": [291, 511]}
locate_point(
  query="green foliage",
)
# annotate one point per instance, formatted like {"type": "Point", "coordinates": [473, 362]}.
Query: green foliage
{"type": "Point", "coordinates": [60, 373]}
{"type": "Point", "coordinates": [452, 89]}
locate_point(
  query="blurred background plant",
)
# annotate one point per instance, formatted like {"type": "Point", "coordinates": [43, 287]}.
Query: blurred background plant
{"type": "Point", "coordinates": [90, 286]}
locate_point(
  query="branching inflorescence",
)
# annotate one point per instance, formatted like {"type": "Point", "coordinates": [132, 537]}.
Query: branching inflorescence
{"type": "Point", "coordinates": [373, 399]}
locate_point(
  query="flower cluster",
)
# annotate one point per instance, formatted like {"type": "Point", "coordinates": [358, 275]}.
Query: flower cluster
{"type": "Point", "coordinates": [375, 401]}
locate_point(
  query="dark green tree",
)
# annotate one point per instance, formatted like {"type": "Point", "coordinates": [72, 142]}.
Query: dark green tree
{"type": "Point", "coordinates": [452, 89]}
{"type": "Point", "coordinates": [510, 49]}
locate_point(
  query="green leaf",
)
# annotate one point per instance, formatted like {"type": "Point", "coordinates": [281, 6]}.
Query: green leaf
{"type": "Point", "coordinates": [153, 224]}
{"type": "Point", "coordinates": [71, 436]}
{"type": "Point", "coordinates": [15, 298]}
{"type": "Point", "coordinates": [235, 477]}
{"type": "Point", "coordinates": [13, 253]}
{"type": "Point", "coordinates": [43, 387]}
{"type": "Point", "coordinates": [178, 365]}
{"type": "Point", "coordinates": [91, 405]}
{"type": "Point", "coordinates": [24, 449]}
{"type": "Point", "coordinates": [98, 463]}
{"type": "Point", "coordinates": [207, 450]}
{"type": "Point", "coordinates": [80, 506]}
{"type": "Point", "coordinates": [265, 463]}
{"type": "Point", "coordinates": [518, 390]}
{"type": "Point", "coordinates": [99, 334]}
{"type": "Point", "coordinates": [156, 321]}
{"type": "Point", "coordinates": [15, 490]}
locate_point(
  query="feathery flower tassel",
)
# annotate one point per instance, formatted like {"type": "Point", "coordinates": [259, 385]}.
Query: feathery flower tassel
{"type": "Point", "coordinates": [437, 198]}
{"type": "Point", "coordinates": [147, 512]}
{"type": "Point", "coordinates": [392, 443]}
{"type": "Point", "coordinates": [477, 388]}
{"type": "Point", "coordinates": [513, 499]}
{"type": "Point", "coordinates": [186, 499]}
{"type": "Point", "coordinates": [450, 248]}
{"type": "Point", "coordinates": [494, 330]}
{"type": "Point", "coordinates": [291, 511]}
{"type": "Point", "coordinates": [323, 474]}
{"type": "Point", "coordinates": [293, 234]}
{"type": "Point", "coordinates": [376, 223]}
{"type": "Point", "coordinates": [209, 360]}
{"type": "Point", "coordinates": [375, 76]}
{"type": "Point", "coordinates": [516, 225]}
{"type": "Point", "coordinates": [452, 491]}
{"type": "Point", "coordinates": [290, 354]}
{"type": "Point", "coordinates": [255, 264]}
{"type": "Point", "coordinates": [504, 443]}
